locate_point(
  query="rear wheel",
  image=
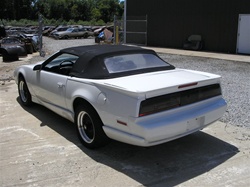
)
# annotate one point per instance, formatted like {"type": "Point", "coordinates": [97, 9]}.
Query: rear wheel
{"type": "Point", "coordinates": [89, 127]}
{"type": "Point", "coordinates": [24, 93]}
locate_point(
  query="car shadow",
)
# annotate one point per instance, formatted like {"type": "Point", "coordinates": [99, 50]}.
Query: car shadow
{"type": "Point", "coordinates": [167, 164]}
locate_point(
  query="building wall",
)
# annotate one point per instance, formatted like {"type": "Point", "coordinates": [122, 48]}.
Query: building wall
{"type": "Point", "coordinates": [170, 22]}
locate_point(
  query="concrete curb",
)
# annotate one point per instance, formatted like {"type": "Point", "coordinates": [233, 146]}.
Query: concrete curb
{"type": "Point", "coordinates": [232, 57]}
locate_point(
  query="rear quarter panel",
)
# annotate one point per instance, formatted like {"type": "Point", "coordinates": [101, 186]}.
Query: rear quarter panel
{"type": "Point", "coordinates": [110, 103]}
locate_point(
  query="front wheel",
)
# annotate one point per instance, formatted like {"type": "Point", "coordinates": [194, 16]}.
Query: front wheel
{"type": "Point", "coordinates": [24, 93]}
{"type": "Point", "coordinates": [89, 127]}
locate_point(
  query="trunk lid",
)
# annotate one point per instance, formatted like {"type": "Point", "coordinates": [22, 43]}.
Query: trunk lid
{"type": "Point", "coordinates": [163, 82]}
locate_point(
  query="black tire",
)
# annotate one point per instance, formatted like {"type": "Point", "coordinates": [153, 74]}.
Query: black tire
{"type": "Point", "coordinates": [89, 127]}
{"type": "Point", "coordinates": [9, 58]}
{"type": "Point", "coordinates": [24, 93]}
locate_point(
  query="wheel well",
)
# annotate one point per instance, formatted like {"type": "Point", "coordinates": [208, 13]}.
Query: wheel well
{"type": "Point", "coordinates": [20, 76]}
{"type": "Point", "coordinates": [81, 101]}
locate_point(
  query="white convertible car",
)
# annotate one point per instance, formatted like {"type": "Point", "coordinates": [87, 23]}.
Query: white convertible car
{"type": "Point", "coordinates": [123, 93]}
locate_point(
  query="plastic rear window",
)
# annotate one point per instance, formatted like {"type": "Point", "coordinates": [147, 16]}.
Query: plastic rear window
{"type": "Point", "coordinates": [123, 63]}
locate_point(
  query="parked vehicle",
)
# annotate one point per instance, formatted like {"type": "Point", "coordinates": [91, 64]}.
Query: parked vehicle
{"type": "Point", "coordinates": [47, 30]}
{"type": "Point", "coordinates": [30, 40]}
{"type": "Point", "coordinates": [11, 48]}
{"type": "Point", "coordinates": [123, 93]}
{"type": "Point", "coordinates": [58, 29]}
{"type": "Point", "coordinates": [89, 32]}
{"type": "Point", "coordinates": [73, 33]}
{"type": "Point", "coordinates": [25, 30]}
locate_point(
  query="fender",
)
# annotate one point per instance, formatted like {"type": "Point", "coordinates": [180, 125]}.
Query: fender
{"type": "Point", "coordinates": [80, 89]}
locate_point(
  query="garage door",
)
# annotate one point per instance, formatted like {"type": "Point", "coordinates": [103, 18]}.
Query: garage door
{"type": "Point", "coordinates": [243, 40]}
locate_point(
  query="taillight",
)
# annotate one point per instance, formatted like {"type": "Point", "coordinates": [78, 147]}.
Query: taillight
{"type": "Point", "coordinates": [158, 104]}
{"type": "Point", "coordinates": [177, 99]}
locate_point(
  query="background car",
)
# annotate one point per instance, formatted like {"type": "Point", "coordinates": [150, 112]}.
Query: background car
{"type": "Point", "coordinates": [89, 32]}
{"type": "Point", "coordinates": [30, 40]}
{"type": "Point", "coordinates": [11, 48]}
{"type": "Point", "coordinates": [58, 29]}
{"type": "Point", "coordinates": [73, 33]}
{"type": "Point", "coordinates": [47, 30]}
{"type": "Point", "coordinates": [124, 93]}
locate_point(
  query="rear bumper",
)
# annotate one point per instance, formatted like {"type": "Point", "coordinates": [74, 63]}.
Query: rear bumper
{"type": "Point", "coordinates": [166, 126]}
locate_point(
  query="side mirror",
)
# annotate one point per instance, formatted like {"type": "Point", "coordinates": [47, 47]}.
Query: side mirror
{"type": "Point", "coordinates": [37, 67]}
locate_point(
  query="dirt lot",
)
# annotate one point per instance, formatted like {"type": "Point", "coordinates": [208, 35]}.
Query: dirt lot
{"type": "Point", "coordinates": [39, 148]}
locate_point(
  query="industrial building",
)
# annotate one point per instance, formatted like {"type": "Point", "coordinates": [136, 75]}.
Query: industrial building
{"type": "Point", "coordinates": [224, 25]}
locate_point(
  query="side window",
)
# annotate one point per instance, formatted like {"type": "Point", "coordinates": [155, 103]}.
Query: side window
{"type": "Point", "coordinates": [61, 64]}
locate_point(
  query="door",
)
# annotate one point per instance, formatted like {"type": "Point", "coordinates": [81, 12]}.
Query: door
{"type": "Point", "coordinates": [243, 39]}
{"type": "Point", "coordinates": [51, 90]}
{"type": "Point", "coordinates": [51, 81]}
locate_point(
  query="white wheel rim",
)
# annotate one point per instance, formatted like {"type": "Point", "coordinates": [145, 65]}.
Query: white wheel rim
{"type": "Point", "coordinates": [86, 127]}
{"type": "Point", "coordinates": [23, 91]}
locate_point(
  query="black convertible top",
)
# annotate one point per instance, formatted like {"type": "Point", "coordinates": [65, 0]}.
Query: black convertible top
{"type": "Point", "coordinates": [90, 62]}
{"type": "Point", "coordinates": [96, 50]}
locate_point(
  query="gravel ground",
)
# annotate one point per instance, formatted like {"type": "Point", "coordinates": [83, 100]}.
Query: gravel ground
{"type": "Point", "coordinates": [235, 83]}
{"type": "Point", "coordinates": [235, 76]}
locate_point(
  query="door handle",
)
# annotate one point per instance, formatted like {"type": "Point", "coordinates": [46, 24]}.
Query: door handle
{"type": "Point", "coordinates": [60, 85]}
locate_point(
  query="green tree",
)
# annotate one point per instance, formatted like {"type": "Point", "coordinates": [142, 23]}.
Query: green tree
{"type": "Point", "coordinates": [81, 10]}
{"type": "Point", "coordinates": [15, 9]}
{"type": "Point", "coordinates": [108, 9]}
{"type": "Point", "coordinates": [77, 10]}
